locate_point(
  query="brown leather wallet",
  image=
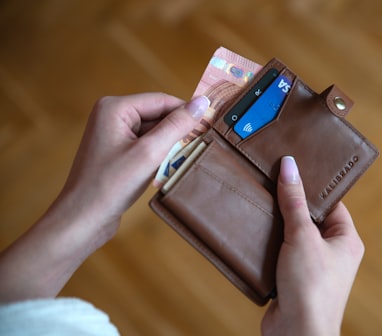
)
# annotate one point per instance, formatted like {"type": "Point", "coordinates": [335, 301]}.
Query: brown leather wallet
{"type": "Point", "coordinates": [225, 204]}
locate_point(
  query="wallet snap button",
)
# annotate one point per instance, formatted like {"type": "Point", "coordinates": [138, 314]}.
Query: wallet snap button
{"type": "Point", "coordinates": [340, 103]}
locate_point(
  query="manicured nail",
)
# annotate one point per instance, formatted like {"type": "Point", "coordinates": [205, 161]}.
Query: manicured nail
{"type": "Point", "coordinates": [198, 106]}
{"type": "Point", "coordinates": [289, 171]}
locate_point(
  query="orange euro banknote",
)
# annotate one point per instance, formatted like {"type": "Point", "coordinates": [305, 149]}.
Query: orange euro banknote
{"type": "Point", "coordinates": [225, 77]}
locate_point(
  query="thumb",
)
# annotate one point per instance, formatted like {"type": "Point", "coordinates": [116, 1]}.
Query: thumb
{"type": "Point", "coordinates": [291, 197]}
{"type": "Point", "coordinates": [174, 126]}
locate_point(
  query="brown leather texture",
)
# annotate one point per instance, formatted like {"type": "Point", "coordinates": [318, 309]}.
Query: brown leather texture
{"type": "Point", "coordinates": [225, 204]}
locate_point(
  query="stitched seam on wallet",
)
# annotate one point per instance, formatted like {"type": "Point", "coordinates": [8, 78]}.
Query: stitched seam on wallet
{"type": "Point", "coordinates": [233, 189]}
{"type": "Point", "coordinates": [241, 151]}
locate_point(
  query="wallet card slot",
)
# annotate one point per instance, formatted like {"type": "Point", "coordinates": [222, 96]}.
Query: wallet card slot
{"type": "Point", "coordinates": [229, 113]}
{"type": "Point", "coordinates": [265, 111]}
{"type": "Point", "coordinates": [276, 110]}
{"type": "Point", "coordinates": [222, 202]}
{"type": "Point", "coordinates": [330, 153]}
{"type": "Point", "coordinates": [250, 97]}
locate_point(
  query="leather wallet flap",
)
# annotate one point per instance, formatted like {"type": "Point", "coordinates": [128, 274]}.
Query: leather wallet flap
{"type": "Point", "coordinates": [186, 233]}
{"type": "Point", "coordinates": [330, 153]}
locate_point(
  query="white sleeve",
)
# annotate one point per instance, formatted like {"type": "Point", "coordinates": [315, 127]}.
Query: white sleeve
{"type": "Point", "coordinates": [59, 317]}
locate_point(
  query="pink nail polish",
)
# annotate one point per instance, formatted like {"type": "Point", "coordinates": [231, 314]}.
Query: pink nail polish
{"type": "Point", "coordinates": [198, 106]}
{"type": "Point", "coordinates": [289, 171]}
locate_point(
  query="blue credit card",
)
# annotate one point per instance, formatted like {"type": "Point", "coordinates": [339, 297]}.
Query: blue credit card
{"type": "Point", "coordinates": [250, 97]}
{"type": "Point", "coordinates": [265, 109]}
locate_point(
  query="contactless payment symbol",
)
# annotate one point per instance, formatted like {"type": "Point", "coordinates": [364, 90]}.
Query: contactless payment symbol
{"type": "Point", "coordinates": [265, 109]}
{"type": "Point", "coordinates": [248, 128]}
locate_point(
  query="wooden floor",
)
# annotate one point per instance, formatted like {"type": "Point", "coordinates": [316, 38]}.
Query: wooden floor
{"type": "Point", "coordinates": [57, 57]}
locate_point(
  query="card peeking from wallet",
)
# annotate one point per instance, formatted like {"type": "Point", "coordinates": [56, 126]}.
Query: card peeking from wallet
{"type": "Point", "coordinates": [222, 199]}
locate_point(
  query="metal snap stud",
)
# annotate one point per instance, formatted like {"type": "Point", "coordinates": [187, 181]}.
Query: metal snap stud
{"type": "Point", "coordinates": [340, 103]}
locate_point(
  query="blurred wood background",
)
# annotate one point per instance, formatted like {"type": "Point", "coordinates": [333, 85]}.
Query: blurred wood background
{"type": "Point", "coordinates": [57, 57]}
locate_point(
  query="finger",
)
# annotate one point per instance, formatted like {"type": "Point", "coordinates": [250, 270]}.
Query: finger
{"type": "Point", "coordinates": [136, 109]}
{"type": "Point", "coordinates": [173, 127]}
{"type": "Point", "coordinates": [338, 223]}
{"type": "Point", "coordinates": [146, 126]}
{"type": "Point", "coordinates": [131, 112]}
{"type": "Point", "coordinates": [291, 197]}
{"type": "Point", "coordinates": [338, 229]}
{"type": "Point", "coordinates": [150, 105]}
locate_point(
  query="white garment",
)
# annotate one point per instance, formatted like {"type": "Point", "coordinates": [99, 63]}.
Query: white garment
{"type": "Point", "coordinates": [54, 317]}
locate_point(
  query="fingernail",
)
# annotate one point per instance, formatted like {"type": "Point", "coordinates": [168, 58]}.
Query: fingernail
{"type": "Point", "coordinates": [289, 171]}
{"type": "Point", "coordinates": [198, 106]}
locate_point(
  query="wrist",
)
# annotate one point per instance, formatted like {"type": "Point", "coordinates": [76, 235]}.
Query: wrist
{"type": "Point", "coordinates": [41, 261]}
{"type": "Point", "coordinates": [300, 319]}
{"type": "Point", "coordinates": [310, 321]}
{"type": "Point", "coordinates": [78, 224]}
{"type": "Point", "coordinates": [316, 327]}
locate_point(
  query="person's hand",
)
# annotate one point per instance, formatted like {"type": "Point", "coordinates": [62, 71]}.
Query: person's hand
{"type": "Point", "coordinates": [125, 140]}
{"type": "Point", "coordinates": [316, 266]}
